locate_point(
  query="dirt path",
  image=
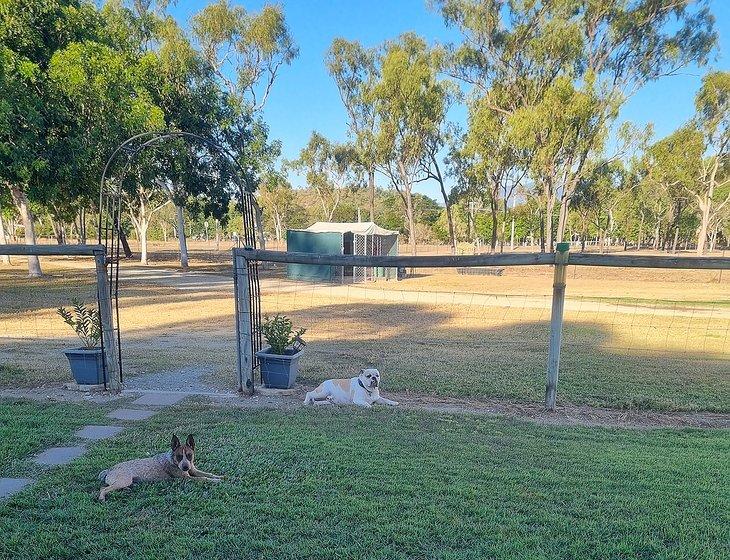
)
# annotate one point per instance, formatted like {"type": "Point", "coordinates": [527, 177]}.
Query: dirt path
{"type": "Point", "coordinates": [566, 415]}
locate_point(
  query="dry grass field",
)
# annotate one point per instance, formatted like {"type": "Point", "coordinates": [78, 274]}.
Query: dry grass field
{"type": "Point", "coordinates": [633, 338]}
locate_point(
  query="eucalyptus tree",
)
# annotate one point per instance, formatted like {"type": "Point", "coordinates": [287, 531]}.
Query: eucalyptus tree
{"type": "Point", "coordinates": [142, 196]}
{"type": "Point", "coordinates": [277, 198]}
{"type": "Point", "coordinates": [598, 195]}
{"type": "Point", "coordinates": [5, 259]}
{"type": "Point", "coordinates": [21, 141]}
{"type": "Point", "coordinates": [252, 47]}
{"type": "Point", "coordinates": [410, 102]}
{"type": "Point", "coordinates": [518, 56]}
{"type": "Point", "coordinates": [713, 120]}
{"type": "Point", "coordinates": [246, 52]}
{"type": "Point", "coordinates": [330, 168]}
{"type": "Point", "coordinates": [496, 157]}
{"type": "Point", "coordinates": [672, 168]}
{"type": "Point", "coordinates": [354, 69]}
{"type": "Point", "coordinates": [184, 86]}
{"type": "Point", "coordinates": [474, 186]}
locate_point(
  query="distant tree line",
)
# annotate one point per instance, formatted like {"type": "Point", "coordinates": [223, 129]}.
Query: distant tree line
{"type": "Point", "coordinates": [542, 157]}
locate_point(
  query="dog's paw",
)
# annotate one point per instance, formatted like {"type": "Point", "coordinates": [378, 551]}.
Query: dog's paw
{"type": "Point", "coordinates": [396, 403]}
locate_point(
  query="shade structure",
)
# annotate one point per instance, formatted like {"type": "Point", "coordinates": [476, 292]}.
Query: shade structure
{"type": "Point", "coordinates": [337, 238]}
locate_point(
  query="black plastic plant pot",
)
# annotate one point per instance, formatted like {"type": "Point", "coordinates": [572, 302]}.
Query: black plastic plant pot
{"type": "Point", "coordinates": [279, 371]}
{"type": "Point", "coordinates": [87, 365]}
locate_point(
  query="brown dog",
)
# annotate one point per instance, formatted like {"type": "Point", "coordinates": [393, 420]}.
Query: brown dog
{"type": "Point", "coordinates": [176, 463]}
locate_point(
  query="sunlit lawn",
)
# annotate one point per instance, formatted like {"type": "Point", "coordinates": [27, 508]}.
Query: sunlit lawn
{"type": "Point", "coordinates": [323, 483]}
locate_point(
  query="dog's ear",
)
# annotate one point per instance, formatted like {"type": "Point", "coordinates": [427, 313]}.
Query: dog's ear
{"type": "Point", "coordinates": [190, 442]}
{"type": "Point", "coordinates": [175, 442]}
{"type": "Point", "coordinates": [361, 372]}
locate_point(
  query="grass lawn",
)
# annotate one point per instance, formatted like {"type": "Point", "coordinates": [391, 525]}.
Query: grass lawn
{"type": "Point", "coordinates": [28, 427]}
{"type": "Point", "coordinates": [351, 484]}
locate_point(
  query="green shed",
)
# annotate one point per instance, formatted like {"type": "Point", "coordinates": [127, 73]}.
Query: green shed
{"type": "Point", "coordinates": [353, 238]}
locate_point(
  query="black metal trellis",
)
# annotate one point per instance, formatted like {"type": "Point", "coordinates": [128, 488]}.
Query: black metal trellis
{"type": "Point", "coordinates": [112, 236]}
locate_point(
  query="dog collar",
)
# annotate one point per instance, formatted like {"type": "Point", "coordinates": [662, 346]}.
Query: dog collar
{"type": "Point", "coordinates": [363, 386]}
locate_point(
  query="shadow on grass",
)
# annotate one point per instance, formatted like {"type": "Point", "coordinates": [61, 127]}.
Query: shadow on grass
{"type": "Point", "coordinates": [422, 349]}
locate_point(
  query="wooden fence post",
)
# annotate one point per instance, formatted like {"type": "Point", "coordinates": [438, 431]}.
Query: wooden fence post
{"type": "Point", "coordinates": [556, 323]}
{"type": "Point", "coordinates": [111, 352]}
{"type": "Point", "coordinates": [244, 335]}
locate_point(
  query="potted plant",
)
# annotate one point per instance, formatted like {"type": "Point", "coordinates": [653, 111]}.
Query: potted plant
{"type": "Point", "coordinates": [86, 363]}
{"type": "Point", "coordinates": [280, 359]}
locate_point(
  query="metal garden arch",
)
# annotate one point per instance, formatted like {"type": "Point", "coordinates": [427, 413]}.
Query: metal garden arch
{"type": "Point", "coordinates": [112, 236]}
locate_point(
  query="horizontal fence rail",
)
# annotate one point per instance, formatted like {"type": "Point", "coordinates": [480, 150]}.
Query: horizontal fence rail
{"type": "Point", "coordinates": [52, 250]}
{"type": "Point", "coordinates": [649, 261]}
{"type": "Point", "coordinates": [503, 259]}
{"type": "Point", "coordinates": [424, 261]}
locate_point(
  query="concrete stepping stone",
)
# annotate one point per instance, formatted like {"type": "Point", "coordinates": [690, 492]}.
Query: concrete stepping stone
{"type": "Point", "coordinates": [159, 399]}
{"type": "Point", "coordinates": [131, 414]}
{"type": "Point", "coordinates": [96, 433]}
{"type": "Point", "coordinates": [10, 486]}
{"type": "Point", "coordinates": [59, 455]}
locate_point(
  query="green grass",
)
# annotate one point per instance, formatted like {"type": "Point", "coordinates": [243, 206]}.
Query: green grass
{"type": "Point", "coordinates": [327, 483]}
{"type": "Point", "coordinates": [589, 375]}
{"type": "Point", "coordinates": [28, 427]}
{"type": "Point", "coordinates": [650, 303]}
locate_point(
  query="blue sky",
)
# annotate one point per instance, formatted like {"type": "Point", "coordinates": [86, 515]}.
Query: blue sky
{"type": "Point", "coordinates": [305, 97]}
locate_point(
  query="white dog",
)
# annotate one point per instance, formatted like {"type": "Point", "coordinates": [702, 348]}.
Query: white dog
{"type": "Point", "coordinates": [362, 390]}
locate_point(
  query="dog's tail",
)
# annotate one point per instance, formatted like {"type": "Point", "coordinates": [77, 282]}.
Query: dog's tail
{"type": "Point", "coordinates": [102, 475]}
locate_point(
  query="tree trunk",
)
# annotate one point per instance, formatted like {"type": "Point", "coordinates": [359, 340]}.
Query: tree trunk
{"type": "Point", "coordinates": [217, 235]}
{"type": "Point", "coordinates": [3, 240]}
{"type": "Point", "coordinates": [411, 221]}
{"type": "Point", "coordinates": [142, 233]}
{"type": "Point", "coordinates": [371, 189]}
{"type": "Point", "coordinates": [512, 236]}
{"type": "Point", "coordinates": [81, 226]}
{"type": "Point", "coordinates": [449, 217]}
{"type": "Point", "coordinates": [677, 218]}
{"type": "Point", "coordinates": [549, 223]}
{"type": "Point", "coordinates": [641, 233]}
{"type": "Point", "coordinates": [562, 221]}
{"type": "Point", "coordinates": [58, 231]}
{"type": "Point", "coordinates": [182, 239]}
{"type": "Point", "coordinates": [493, 240]}
{"type": "Point", "coordinates": [705, 206]}
{"type": "Point", "coordinates": [504, 226]}
{"type": "Point", "coordinates": [260, 223]}
{"type": "Point", "coordinates": [542, 233]}
{"type": "Point", "coordinates": [277, 228]}
{"type": "Point", "coordinates": [601, 239]}
{"type": "Point", "coordinates": [21, 201]}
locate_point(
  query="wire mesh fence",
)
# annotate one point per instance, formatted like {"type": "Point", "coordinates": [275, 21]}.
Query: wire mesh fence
{"type": "Point", "coordinates": [32, 334]}
{"type": "Point", "coordinates": [631, 337]}
{"type": "Point", "coordinates": [177, 329]}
